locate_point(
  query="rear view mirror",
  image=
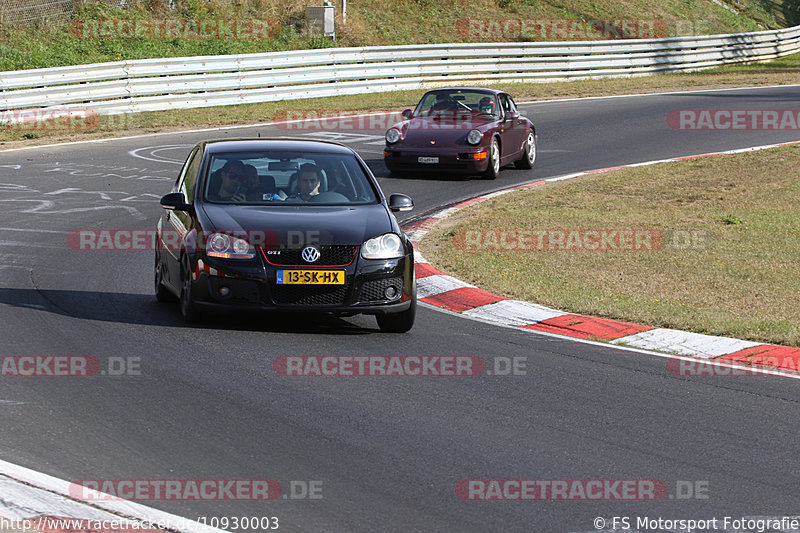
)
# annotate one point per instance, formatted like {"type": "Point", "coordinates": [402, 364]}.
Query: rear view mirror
{"type": "Point", "coordinates": [407, 114]}
{"type": "Point", "coordinates": [284, 166]}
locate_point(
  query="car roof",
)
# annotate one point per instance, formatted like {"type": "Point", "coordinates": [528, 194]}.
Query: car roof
{"type": "Point", "coordinates": [256, 144]}
{"type": "Point", "coordinates": [478, 89]}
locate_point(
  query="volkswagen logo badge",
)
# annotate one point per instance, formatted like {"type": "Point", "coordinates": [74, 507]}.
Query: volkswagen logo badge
{"type": "Point", "coordinates": [310, 254]}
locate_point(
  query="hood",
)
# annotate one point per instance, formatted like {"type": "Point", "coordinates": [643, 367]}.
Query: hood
{"type": "Point", "coordinates": [295, 226]}
{"type": "Point", "coordinates": [420, 131]}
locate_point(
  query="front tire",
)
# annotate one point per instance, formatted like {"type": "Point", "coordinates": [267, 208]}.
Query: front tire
{"type": "Point", "coordinates": [163, 294]}
{"type": "Point", "coordinates": [398, 322]}
{"type": "Point", "coordinates": [189, 309]}
{"type": "Point", "coordinates": [494, 161]}
{"type": "Point", "coordinates": [529, 154]}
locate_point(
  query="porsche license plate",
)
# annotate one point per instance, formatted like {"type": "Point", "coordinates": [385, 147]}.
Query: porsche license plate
{"type": "Point", "coordinates": [428, 160]}
{"type": "Point", "coordinates": [310, 277]}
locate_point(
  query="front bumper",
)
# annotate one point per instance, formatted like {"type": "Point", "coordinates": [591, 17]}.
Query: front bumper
{"type": "Point", "coordinates": [458, 160]}
{"type": "Point", "coordinates": [222, 285]}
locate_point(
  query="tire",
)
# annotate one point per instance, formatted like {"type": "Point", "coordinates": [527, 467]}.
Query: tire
{"type": "Point", "coordinates": [398, 322]}
{"type": "Point", "coordinates": [494, 161]}
{"type": "Point", "coordinates": [529, 154]}
{"type": "Point", "coordinates": [163, 294]}
{"type": "Point", "coordinates": [189, 309]}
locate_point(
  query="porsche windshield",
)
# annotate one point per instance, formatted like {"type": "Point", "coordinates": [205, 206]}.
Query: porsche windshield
{"type": "Point", "coordinates": [280, 178]}
{"type": "Point", "coordinates": [457, 102]}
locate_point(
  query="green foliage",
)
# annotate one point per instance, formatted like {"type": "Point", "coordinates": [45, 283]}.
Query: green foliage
{"type": "Point", "coordinates": [732, 220]}
{"type": "Point", "coordinates": [369, 23]}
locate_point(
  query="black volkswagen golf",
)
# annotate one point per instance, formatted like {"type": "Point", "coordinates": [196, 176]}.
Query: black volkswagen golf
{"type": "Point", "coordinates": [282, 224]}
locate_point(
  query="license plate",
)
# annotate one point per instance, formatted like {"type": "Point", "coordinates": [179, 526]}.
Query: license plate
{"type": "Point", "coordinates": [428, 160]}
{"type": "Point", "coordinates": [310, 277]}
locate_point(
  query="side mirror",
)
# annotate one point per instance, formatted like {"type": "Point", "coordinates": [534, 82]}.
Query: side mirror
{"type": "Point", "coordinates": [407, 114]}
{"type": "Point", "coordinates": [400, 202]}
{"type": "Point", "coordinates": [512, 116]}
{"type": "Point", "coordinates": [175, 201]}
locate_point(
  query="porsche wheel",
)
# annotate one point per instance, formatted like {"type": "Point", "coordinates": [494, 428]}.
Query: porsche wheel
{"type": "Point", "coordinates": [494, 161]}
{"type": "Point", "coordinates": [529, 154]}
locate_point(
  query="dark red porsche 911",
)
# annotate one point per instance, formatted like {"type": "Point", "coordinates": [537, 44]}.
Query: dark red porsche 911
{"type": "Point", "coordinates": [461, 130]}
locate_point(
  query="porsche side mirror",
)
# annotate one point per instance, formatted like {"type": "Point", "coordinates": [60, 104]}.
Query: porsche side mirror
{"type": "Point", "coordinates": [407, 114]}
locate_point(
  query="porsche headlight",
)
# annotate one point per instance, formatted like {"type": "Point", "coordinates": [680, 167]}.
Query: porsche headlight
{"type": "Point", "coordinates": [228, 247]}
{"type": "Point", "coordinates": [474, 136]}
{"type": "Point", "coordinates": [392, 136]}
{"type": "Point", "coordinates": [387, 246]}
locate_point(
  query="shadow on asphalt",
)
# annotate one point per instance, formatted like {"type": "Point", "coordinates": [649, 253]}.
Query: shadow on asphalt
{"type": "Point", "coordinates": [143, 309]}
{"type": "Point", "coordinates": [378, 168]}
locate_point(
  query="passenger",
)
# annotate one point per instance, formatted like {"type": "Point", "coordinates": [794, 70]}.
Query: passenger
{"type": "Point", "coordinates": [255, 189]}
{"type": "Point", "coordinates": [227, 183]}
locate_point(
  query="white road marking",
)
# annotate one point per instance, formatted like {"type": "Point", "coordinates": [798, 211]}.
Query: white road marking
{"type": "Point", "coordinates": [154, 153]}
{"type": "Point", "coordinates": [36, 230]}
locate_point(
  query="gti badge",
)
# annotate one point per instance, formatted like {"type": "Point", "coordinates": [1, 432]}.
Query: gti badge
{"type": "Point", "coordinates": [310, 254]}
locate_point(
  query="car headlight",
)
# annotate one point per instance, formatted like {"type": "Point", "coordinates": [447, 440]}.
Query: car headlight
{"type": "Point", "coordinates": [474, 136]}
{"type": "Point", "coordinates": [228, 247]}
{"type": "Point", "coordinates": [392, 136]}
{"type": "Point", "coordinates": [388, 246]}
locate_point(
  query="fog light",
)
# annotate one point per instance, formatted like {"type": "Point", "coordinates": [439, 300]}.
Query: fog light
{"type": "Point", "coordinates": [390, 293]}
{"type": "Point", "coordinates": [224, 291]}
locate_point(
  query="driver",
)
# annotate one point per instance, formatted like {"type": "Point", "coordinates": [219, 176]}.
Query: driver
{"type": "Point", "coordinates": [487, 106]}
{"type": "Point", "coordinates": [307, 182]}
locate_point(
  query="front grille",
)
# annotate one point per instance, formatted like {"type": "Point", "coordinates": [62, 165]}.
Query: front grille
{"type": "Point", "coordinates": [330, 255]}
{"type": "Point", "coordinates": [373, 290]}
{"type": "Point", "coordinates": [309, 294]}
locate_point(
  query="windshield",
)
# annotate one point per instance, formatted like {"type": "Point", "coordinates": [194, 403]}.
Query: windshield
{"type": "Point", "coordinates": [457, 102]}
{"type": "Point", "coordinates": [287, 178]}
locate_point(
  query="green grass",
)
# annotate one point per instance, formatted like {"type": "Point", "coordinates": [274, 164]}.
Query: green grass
{"type": "Point", "coordinates": [369, 23]}
{"type": "Point", "coordinates": [725, 264]}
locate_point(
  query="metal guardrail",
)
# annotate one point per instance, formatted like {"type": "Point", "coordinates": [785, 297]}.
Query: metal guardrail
{"type": "Point", "coordinates": [193, 82]}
